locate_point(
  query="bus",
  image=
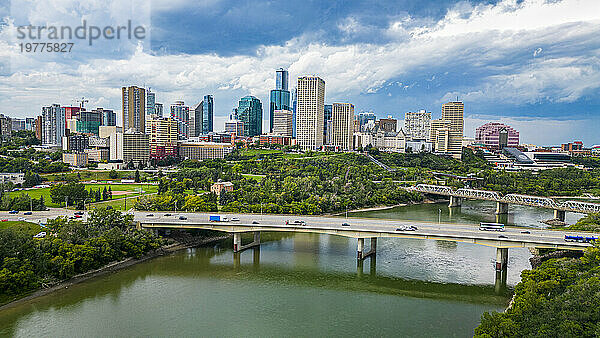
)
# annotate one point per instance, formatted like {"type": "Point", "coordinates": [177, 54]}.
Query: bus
{"type": "Point", "coordinates": [581, 239]}
{"type": "Point", "coordinates": [491, 226]}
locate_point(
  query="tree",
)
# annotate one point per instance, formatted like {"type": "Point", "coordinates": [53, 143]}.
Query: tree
{"type": "Point", "coordinates": [137, 176]}
{"type": "Point", "coordinates": [69, 193]}
{"type": "Point", "coordinates": [113, 174]}
{"type": "Point", "coordinates": [31, 179]}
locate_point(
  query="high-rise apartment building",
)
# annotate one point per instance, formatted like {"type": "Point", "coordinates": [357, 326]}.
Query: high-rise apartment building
{"type": "Point", "coordinates": [134, 108]}
{"type": "Point", "coordinates": [162, 133]}
{"type": "Point", "coordinates": [181, 114]}
{"type": "Point", "coordinates": [283, 123]}
{"type": "Point", "coordinates": [38, 127]}
{"type": "Point", "coordinates": [250, 113]}
{"type": "Point", "coordinates": [280, 96]}
{"type": "Point", "coordinates": [5, 127]}
{"type": "Point", "coordinates": [207, 114]}
{"type": "Point", "coordinates": [53, 125]}
{"type": "Point", "coordinates": [343, 125]}
{"type": "Point", "coordinates": [310, 112]}
{"type": "Point", "coordinates": [150, 102]}
{"type": "Point", "coordinates": [294, 106]}
{"type": "Point", "coordinates": [417, 124]}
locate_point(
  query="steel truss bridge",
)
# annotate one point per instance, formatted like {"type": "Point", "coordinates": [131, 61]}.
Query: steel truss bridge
{"type": "Point", "coordinates": [532, 201]}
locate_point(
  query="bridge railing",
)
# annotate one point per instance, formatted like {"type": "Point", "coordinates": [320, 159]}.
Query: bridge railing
{"type": "Point", "coordinates": [535, 201]}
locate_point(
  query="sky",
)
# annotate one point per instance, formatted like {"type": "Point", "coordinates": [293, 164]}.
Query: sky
{"type": "Point", "coordinates": [533, 64]}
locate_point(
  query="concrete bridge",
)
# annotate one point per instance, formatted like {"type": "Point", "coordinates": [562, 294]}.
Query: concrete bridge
{"type": "Point", "coordinates": [502, 201]}
{"type": "Point", "coordinates": [365, 229]}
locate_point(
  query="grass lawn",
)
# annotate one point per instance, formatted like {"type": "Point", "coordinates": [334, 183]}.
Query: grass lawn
{"type": "Point", "coordinates": [119, 191]}
{"type": "Point", "coordinates": [256, 177]}
{"type": "Point", "coordinates": [28, 227]}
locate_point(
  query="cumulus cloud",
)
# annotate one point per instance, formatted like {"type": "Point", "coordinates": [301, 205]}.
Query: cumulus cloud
{"type": "Point", "coordinates": [488, 47]}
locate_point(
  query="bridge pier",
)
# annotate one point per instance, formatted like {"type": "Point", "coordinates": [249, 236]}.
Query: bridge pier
{"type": "Point", "coordinates": [501, 259]}
{"type": "Point", "coordinates": [501, 208]}
{"type": "Point", "coordinates": [360, 250]}
{"type": "Point", "coordinates": [455, 202]}
{"type": "Point", "coordinates": [237, 241]}
{"type": "Point", "coordinates": [560, 215]}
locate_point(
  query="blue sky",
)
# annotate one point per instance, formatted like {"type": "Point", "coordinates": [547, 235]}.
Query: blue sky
{"type": "Point", "coordinates": [534, 64]}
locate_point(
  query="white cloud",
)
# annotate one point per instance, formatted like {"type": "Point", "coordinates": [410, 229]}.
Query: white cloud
{"type": "Point", "coordinates": [478, 40]}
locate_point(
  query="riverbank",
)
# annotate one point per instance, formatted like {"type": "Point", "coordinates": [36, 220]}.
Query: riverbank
{"type": "Point", "coordinates": [110, 268]}
{"type": "Point", "coordinates": [387, 207]}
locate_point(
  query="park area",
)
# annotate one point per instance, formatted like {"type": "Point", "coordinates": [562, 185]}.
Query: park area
{"type": "Point", "coordinates": [120, 192]}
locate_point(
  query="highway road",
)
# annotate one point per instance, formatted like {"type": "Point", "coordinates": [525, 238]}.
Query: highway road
{"type": "Point", "coordinates": [357, 227]}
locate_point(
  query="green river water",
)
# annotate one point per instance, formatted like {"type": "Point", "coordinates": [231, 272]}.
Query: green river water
{"type": "Point", "coordinates": [293, 285]}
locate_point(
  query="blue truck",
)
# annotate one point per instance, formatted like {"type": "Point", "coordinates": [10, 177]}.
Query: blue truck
{"type": "Point", "coordinates": [217, 218]}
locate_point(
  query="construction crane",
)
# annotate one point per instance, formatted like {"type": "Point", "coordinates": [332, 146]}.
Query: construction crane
{"type": "Point", "coordinates": [82, 102]}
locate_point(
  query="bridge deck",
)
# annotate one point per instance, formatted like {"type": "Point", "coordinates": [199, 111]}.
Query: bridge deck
{"type": "Point", "coordinates": [367, 228]}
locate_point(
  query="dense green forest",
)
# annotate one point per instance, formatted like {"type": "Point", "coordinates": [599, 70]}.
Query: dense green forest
{"type": "Point", "coordinates": [29, 263]}
{"type": "Point", "coordinates": [560, 298]}
{"type": "Point", "coordinates": [300, 186]}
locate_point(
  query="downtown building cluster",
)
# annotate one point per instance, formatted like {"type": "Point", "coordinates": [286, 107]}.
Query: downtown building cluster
{"type": "Point", "coordinates": [151, 133]}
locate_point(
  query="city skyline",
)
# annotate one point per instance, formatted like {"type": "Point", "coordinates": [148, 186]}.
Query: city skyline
{"type": "Point", "coordinates": [414, 57]}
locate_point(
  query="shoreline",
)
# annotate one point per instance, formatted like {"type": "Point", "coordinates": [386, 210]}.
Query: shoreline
{"type": "Point", "coordinates": [109, 268]}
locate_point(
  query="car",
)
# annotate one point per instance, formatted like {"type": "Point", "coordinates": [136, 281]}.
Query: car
{"type": "Point", "coordinates": [40, 235]}
{"type": "Point", "coordinates": [167, 215]}
{"type": "Point", "coordinates": [4, 220]}
{"type": "Point", "coordinates": [411, 228]}
{"type": "Point", "coordinates": [400, 229]}
{"type": "Point", "coordinates": [13, 212]}
{"type": "Point", "coordinates": [296, 222]}
{"type": "Point", "coordinates": [78, 216]}
{"type": "Point", "coordinates": [78, 212]}
{"type": "Point", "coordinates": [27, 213]}
{"type": "Point", "coordinates": [345, 224]}
{"type": "Point", "coordinates": [109, 207]}
{"type": "Point", "coordinates": [255, 222]}
{"type": "Point", "coordinates": [502, 236]}
{"type": "Point", "coordinates": [235, 219]}
{"type": "Point", "coordinates": [21, 219]}
{"type": "Point", "coordinates": [150, 215]}
{"type": "Point", "coordinates": [183, 218]}
{"type": "Point", "coordinates": [526, 232]}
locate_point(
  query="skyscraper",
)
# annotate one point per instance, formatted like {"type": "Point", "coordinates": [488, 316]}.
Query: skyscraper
{"type": "Point", "coordinates": [158, 109]}
{"type": "Point", "coordinates": [281, 80]}
{"type": "Point", "coordinates": [280, 96]}
{"type": "Point", "coordinates": [53, 125]}
{"type": "Point", "coordinates": [294, 106]}
{"type": "Point", "coordinates": [196, 120]}
{"type": "Point", "coordinates": [181, 114]}
{"type": "Point", "coordinates": [134, 108]}
{"type": "Point", "coordinates": [417, 124]}
{"type": "Point", "coordinates": [327, 113]}
{"type": "Point", "coordinates": [207, 114]}
{"type": "Point", "coordinates": [454, 112]}
{"type": "Point", "coordinates": [310, 112]}
{"type": "Point", "coordinates": [150, 102]}
{"type": "Point", "coordinates": [343, 125]}
{"type": "Point", "coordinates": [250, 113]}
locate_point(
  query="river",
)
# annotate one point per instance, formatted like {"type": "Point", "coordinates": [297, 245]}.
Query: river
{"type": "Point", "coordinates": [293, 285]}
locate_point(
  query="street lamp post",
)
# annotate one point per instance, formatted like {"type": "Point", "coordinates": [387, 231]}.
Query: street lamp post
{"type": "Point", "coordinates": [439, 215]}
